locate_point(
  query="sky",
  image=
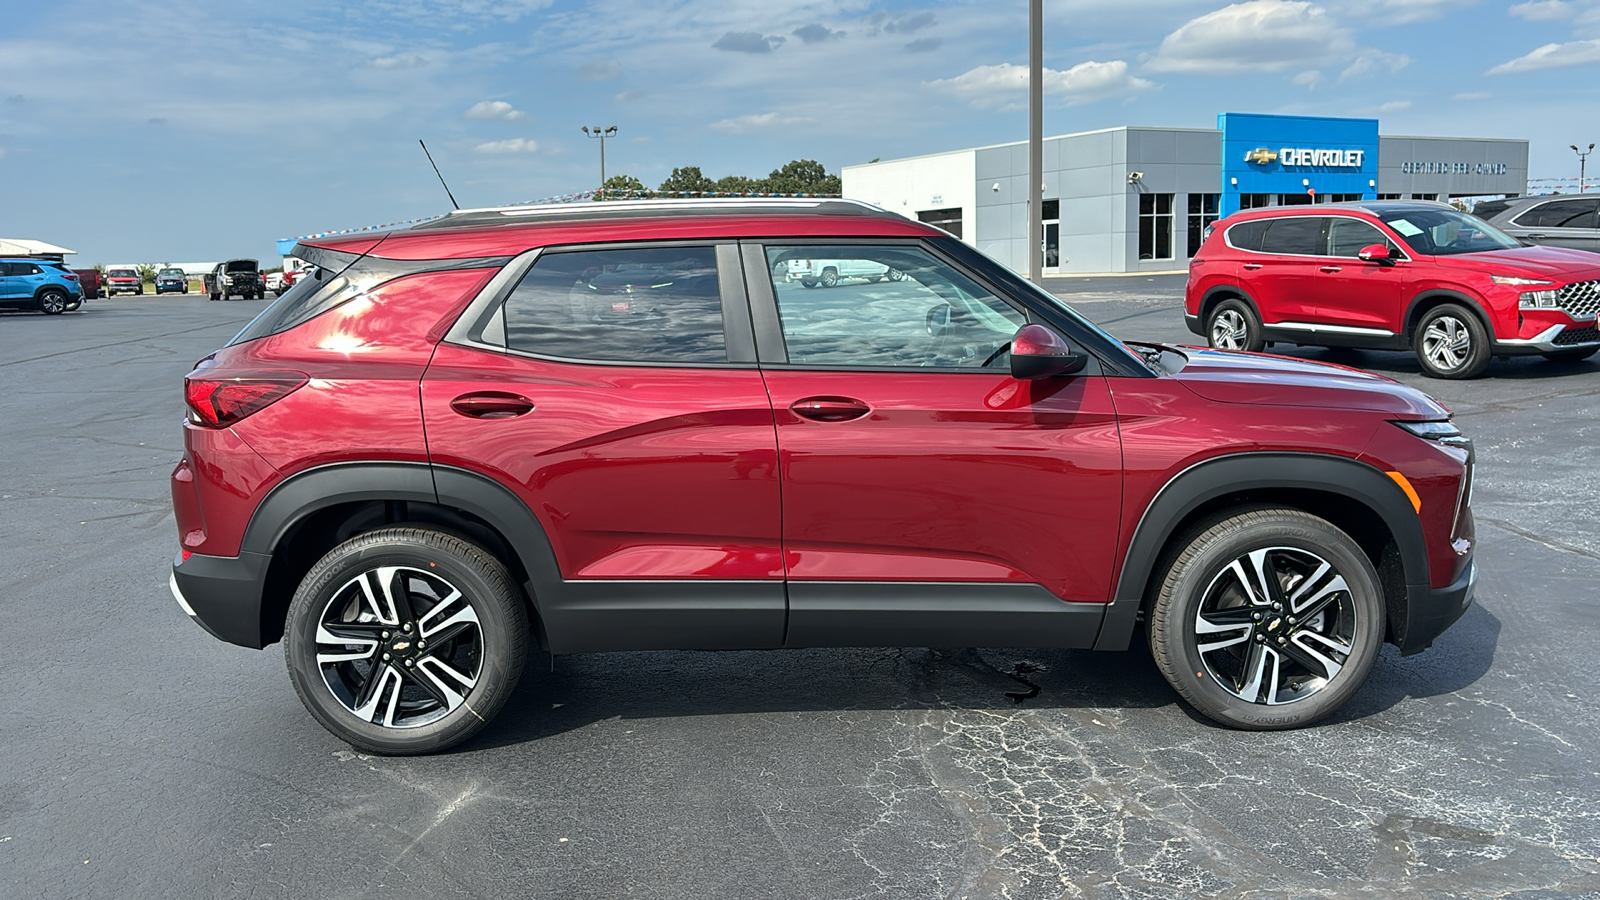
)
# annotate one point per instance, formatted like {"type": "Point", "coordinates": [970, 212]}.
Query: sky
{"type": "Point", "coordinates": [184, 130]}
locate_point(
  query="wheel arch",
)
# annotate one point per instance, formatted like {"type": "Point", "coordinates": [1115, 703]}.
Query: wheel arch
{"type": "Point", "coordinates": [1428, 299]}
{"type": "Point", "coordinates": [1356, 497]}
{"type": "Point", "coordinates": [1215, 295]}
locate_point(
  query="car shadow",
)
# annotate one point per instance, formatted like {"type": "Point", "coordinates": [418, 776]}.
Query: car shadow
{"type": "Point", "coordinates": [1396, 362]}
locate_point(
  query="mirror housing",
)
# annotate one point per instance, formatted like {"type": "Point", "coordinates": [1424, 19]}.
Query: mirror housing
{"type": "Point", "coordinates": [1038, 352]}
{"type": "Point", "coordinates": [1378, 253]}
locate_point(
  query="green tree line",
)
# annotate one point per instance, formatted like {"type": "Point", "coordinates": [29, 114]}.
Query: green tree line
{"type": "Point", "coordinates": [800, 176]}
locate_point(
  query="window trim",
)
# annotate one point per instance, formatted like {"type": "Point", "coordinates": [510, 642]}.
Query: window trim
{"type": "Point", "coordinates": [1517, 222]}
{"type": "Point", "coordinates": [489, 305]}
{"type": "Point", "coordinates": [1227, 236]}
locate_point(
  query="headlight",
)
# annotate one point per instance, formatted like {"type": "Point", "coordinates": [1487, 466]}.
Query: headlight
{"type": "Point", "coordinates": [1441, 432]}
{"type": "Point", "coordinates": [1514, 280]}
{"type": "Point", "coordinates": [1537, 300]}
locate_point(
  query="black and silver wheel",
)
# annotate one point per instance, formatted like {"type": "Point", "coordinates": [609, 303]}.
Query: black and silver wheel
{"type": "Point", "coordinates": [830, 277]}
{"type": "Point", "coordinates": [896, 275]}
{"type": "Point", "coordinates": [1233, 325]}
{"type": "Point", "coordinates": [405, 640]}
{"type": "Point", "coordinates": [1267, 619]}
{"type": "Point", "coordinates": [53, 302]}
{"type": "Point", "coordinates": [1451, 342]}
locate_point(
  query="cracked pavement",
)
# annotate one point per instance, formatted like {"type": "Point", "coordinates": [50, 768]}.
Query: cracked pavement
{"type": "Point", "coordinates": [141, 757]}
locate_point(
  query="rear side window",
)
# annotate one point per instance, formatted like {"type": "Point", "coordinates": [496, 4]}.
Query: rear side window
{"type": "Point", "coordinates": [1488, 209]}
{"type": "Point", "coordinates": [659, 305]}
{"type": "Point", "coordinates": [1296, 236]}
{"type": "Point", "coordinates": [1561, 214]}
{"type": "Point", "coordinates": [1249, 235]}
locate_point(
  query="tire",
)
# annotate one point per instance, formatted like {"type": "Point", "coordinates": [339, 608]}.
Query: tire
{"type": "Point", "coordinates": [52, 302]}
{"type": "Point", "coordinates": [1571, 356]}
{"type": "Point", "coordinates": [72, 305]}
{"type": "Point", "coordinates": [140, 291]}
{"type": "Point", "coordinates": [896, 275]}
{"type": "Point", "coordinates": [1212, 587]}
{"type": "Point", "coordinates": [1234, 325]}
{"type": "Point", "coordinates": [808, 282]}
{"type": "Point", "coordinates": [215, 296]}
{"type": "Point", "coordinates": [431, 700]}
{"type": "Point", "coordinates": [830, 277]}
{"type": "Point", "coordinates": [1451, 343]}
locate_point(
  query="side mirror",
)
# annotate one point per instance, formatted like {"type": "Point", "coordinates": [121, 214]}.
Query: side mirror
{"type": "Point", "coordinates": [1038, 352]}
{"type": "Point", "coordinates": [938, 319]}
{"type": "Point", "coordinates": [1378, 253]}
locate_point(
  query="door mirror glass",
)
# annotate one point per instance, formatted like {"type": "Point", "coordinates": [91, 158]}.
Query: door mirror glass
{"type": "Point", "coordinates": [1038, 352]}
{"type": "Point", "coordinates": [1374, 253]}
{"type": "Point", "coordinates": [938, 319]}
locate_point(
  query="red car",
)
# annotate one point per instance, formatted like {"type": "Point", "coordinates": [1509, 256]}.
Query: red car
{"type": "Point", "coordinates": [1392, 276]}
{"type": "Point", "coordinates": [123, 281]}
{"type": "Point", "coordinates": [608, 427]}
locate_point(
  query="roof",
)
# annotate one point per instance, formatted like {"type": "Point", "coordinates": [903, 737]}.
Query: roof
{"type": "Point", "coordinates": [619, 209]}
{"type": "Point", "coordinates": [1375, 207]}
{"type": "Point", "coordinates": [24, 247]}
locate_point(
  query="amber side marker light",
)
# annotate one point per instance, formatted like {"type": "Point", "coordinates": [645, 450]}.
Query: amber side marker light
{"type": "Point", "coordinates": [1416, 502]}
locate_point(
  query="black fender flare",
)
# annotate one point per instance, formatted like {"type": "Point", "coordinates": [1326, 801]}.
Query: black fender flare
{"type": "Point", "coordinates": [39, 293]}
{"type": "Point", "coordinates": [1216, 477]}
{"type": "Point", "coordinates": [1218, 293]}
{"type": "Point", "coordinates": [1409, 323]}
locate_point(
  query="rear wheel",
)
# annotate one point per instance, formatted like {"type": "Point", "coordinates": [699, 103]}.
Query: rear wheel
{"type": "Point", "coordinates": [1267, 619]}
{"type": "Point", "coordinates": [405, 640]}
{"type": "Point", "coordinates": [808, 282]}
{"type": "Point", "coordinates": [896, 275]}
{"type": "Point", "coordinates": [830, 277]}
{"type": "Point", "coordinates": [1451, 343]}
{"type": "Point", "coordinates": [1233, 325]}
{"type": "Point", "coordinates": [53, 302]}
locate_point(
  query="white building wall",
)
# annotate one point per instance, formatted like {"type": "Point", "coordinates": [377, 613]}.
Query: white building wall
{"type": "Point", "coordinates": [909, 186]}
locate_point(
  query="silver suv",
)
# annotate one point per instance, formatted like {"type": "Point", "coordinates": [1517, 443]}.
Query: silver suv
{"type": "Point", "coordinates": [1557, 220]}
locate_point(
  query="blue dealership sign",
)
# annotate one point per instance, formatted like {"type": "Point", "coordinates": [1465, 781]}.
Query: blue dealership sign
{"type": "Point", "coordinates": [1295, 155]}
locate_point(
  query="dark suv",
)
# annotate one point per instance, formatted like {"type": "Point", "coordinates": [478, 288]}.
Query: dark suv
{"type": "Point", "coordinates": [608, 427]}
{"type": "Point", "coordinates": [1392, 276]}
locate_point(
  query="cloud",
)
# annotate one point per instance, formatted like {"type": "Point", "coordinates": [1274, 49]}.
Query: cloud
{"type": "Point", "coordinates": [1255, 36]}
{"type": "Point", "coordinates": [1552, 56]}
{"type": "Point", "coordinates": [816, 34]}
{"type": "Point", "coordinates": [510, 145]}
{"type": "Point", "coordinates": [494, 111]}
{"type": "Point", "coordinates": [1310, 78]}
{"type": "Point", "coordinates": [16, 98]}
{"type": "Point", "coordinates": [1395, 106]}
{"type": "Point", "coordinates": [911, 23]}
{"type": "Point", "coordinates": [1472, 95]}
{"type": "Point", "coordinates": [1542, 10]}
{"type": "Point", "coordinates": [923, 45]}
{"type": "Point", "coordinates": [747, 42]}
{"type": "Point", "coordinates": [155, 121]}
{"type": "Point", "coordinates": [1400, 12]}
{"type": "Point", "coordinates": [600, 70]}
{"type": "Point", "coordinates": [1006, 85]}
{"type": "Point", "coordinates": [402, 61]}
{"type": "Point", "coordinates": [628, 96]}
{"type": "Point", "coordinates": [761, 122]}
{"type": "Point", "coordinates": [1370, 62]}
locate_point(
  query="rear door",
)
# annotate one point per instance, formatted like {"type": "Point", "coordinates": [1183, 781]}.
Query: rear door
{"type": "Point", "coordinates": [615, 391]}
{"type": "Point", "coordinates": [930, 499]}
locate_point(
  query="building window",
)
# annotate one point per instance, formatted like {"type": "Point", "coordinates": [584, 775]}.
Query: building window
{"type": "Point", "coordinates": [948, 219]}
{"type": "Point", "coordinates": [1155, 226]}
{"type": "Point", "coordinates": [1202, 212]}
{"type": "Point", "coordinates": [1294, 200]}
{"type": "Point", "coordinates": [1254, 201]}
{"type": "Point", "coordinates": [1338, 198]}
{"type": "Point", "coordinates": [1424, 196]}
{"type": "Point", "coordinates": [1388, 196]}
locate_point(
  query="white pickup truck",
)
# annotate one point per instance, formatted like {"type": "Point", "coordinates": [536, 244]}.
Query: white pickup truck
{"type": "Point", "coordinates": [829, 272]}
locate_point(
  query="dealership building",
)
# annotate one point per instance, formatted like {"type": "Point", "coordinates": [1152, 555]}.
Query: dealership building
{"type": "Point", "coordinates": [1138, 199]}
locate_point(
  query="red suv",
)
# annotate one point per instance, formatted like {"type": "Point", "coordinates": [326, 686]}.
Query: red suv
{"type": "Point", "coordinates": [1392, 276]}
{"type": "Point", "coordinates": [609, 427]}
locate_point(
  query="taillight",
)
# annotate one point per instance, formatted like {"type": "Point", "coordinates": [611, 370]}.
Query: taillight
{"type": "Point", "coordinates": [70, 277]}
{"type": "Point", "coordinates": [219, 399]}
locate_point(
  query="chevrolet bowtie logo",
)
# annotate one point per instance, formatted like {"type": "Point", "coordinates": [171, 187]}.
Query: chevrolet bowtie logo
{"type": "Point", "coordinates": [1261, 156]}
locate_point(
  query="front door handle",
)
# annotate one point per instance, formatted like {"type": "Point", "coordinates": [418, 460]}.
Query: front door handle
{"type": "Point", "coordinates": [1330, 269]}
{"type": "Point", "coordinates": [829, 409]}
{"type": "Point", "coordinates": [1251, 267]}
{"type": "Point", "coordinates": [491, 405]}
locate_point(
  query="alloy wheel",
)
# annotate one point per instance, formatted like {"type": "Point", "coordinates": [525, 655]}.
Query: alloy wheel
{"type": "Point", "coordinates": [399, 647]}
{"type": "Point", "coordinates": [1229, 330]}
{"type": "Point", "coordinates": [1447, 342]}
{"type": "Point", "coordinates": [1275, 626]}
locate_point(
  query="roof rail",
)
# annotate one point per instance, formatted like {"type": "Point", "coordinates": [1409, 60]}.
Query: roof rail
{"type": "Point", "coordinates": [509, 215]}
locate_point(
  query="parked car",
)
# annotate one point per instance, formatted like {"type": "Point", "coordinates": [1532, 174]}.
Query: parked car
{"type": "Point", "coordinates": [236, 276]}
{"type": "Point", "coordinates": [89, 282]}
{"type": "Point", "coordinates": [172, 280]}
{"type": "Point", "coordinates": [1555, 220]}
{"type": "Point", "coordinates": [830, 272]}
{"type": "Point", "coordinates": [615, 430]}
{"type": "Point", "coordinates": [1391, 276]}
{"type": "Point", "coordinates": [38, 284]}
{"type": "Point", "coordinates": [274, 282]}
{"type": "Point", "coordinates": [123, 281]}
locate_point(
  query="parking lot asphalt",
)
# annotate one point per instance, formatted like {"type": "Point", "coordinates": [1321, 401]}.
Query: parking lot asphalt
{"type": "Point", "coordinates": [139, 757]}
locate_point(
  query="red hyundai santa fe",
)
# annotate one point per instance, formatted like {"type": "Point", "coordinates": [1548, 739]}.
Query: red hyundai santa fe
{"type": "Point", "coordinates": [624, 426]}
{"type": "Point", "coordinates": [1392, 276]}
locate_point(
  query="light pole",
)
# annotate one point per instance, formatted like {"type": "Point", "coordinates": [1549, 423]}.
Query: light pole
{"type": "Point", "coordinates": [1035, 139]}
{"type": "Point", "coordinates": [602, 134]}
{"type": "Point", "coordinates": [1583, 159]}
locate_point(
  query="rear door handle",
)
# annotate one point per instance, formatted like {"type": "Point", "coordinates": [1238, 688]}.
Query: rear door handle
{"type": "Point", "coordinates": [492, 405]}
{"type": "Point", "coordinates": [1330, 269]}
{"type": "Point", "coordinates": [1251, 267]}
{"type": "Point", "coordinates": [1537, 236]}
{"type": "Point", "coordinates": [829, 409]}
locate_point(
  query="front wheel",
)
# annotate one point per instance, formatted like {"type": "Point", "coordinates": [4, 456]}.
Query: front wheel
{"type": "Point", "coordinates": [1451, 343]}
{"type": "Point", "coordinates": [405, 640]}
{"type": "Point", "coordinates": [1267, 619]}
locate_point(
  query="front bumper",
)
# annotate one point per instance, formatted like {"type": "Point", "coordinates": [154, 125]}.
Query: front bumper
{"type": "Point", "coordinates": [222, 594]}
{"type": "Point", "coordinates": [1435, 609]}
{"type": "Point", "coordinates": [1552, 339]}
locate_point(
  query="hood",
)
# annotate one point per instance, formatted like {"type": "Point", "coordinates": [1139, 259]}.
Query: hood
{"type": "Point", "coordinates": [122, 277]}
{"type": "Point", "coordinates": [1559, 264]}
{"type": "Point", "coordinates": [237, 266]}
{"type": "Point", "coordinates": [1262, 379]}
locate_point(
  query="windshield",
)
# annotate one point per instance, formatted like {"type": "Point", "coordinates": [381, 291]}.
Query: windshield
{"type": "Point", "coordinates": [173, 273]}
{"type": "Point", "coordinates": [1445, 232]}
{"type": "Point", "coordinates": [122, 273]}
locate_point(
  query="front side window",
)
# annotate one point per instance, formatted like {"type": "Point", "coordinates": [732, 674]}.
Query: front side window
{"type": "Point", "coordinates": [1445, 232]}
{"type": "Point", "coordinates": [1346, 237]}
{"type": "Point", "coordinates": [659, 305]}
{"type": "Point", "coordinates": [885, 306]}
{"type": "Point", "coordinates": [1155, 226]}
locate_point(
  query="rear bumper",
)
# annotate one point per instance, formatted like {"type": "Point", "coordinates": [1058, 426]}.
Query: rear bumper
{"type": "Point", "coordinates": [1435, 609]}
{"type": "Point", "coordinates": [1193, 323]}
{"type": "Point", "coordinates": [222, 594]}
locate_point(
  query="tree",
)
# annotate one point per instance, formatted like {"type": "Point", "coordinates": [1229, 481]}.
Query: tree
{"type": "Point", "coordinates": [737, 184]}
{"type": "Point", "coordinates": [622, 187]}
{"type": "Point", "coordinates": [147, 272]}
{"type": "Point", "coordinates": [802, 176]}
{"type": "Point", "coordinates": [687, 180]}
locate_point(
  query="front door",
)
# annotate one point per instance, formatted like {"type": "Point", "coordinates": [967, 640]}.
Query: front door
{"type": "Point", "coordinates": [1353, 293]}
{"type": "Point", "coordinates": [608, 394]}
{"type": "Point", "coordinates": [929, 497]}
{"type": "Point", "coordinates": [1284, 276]}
